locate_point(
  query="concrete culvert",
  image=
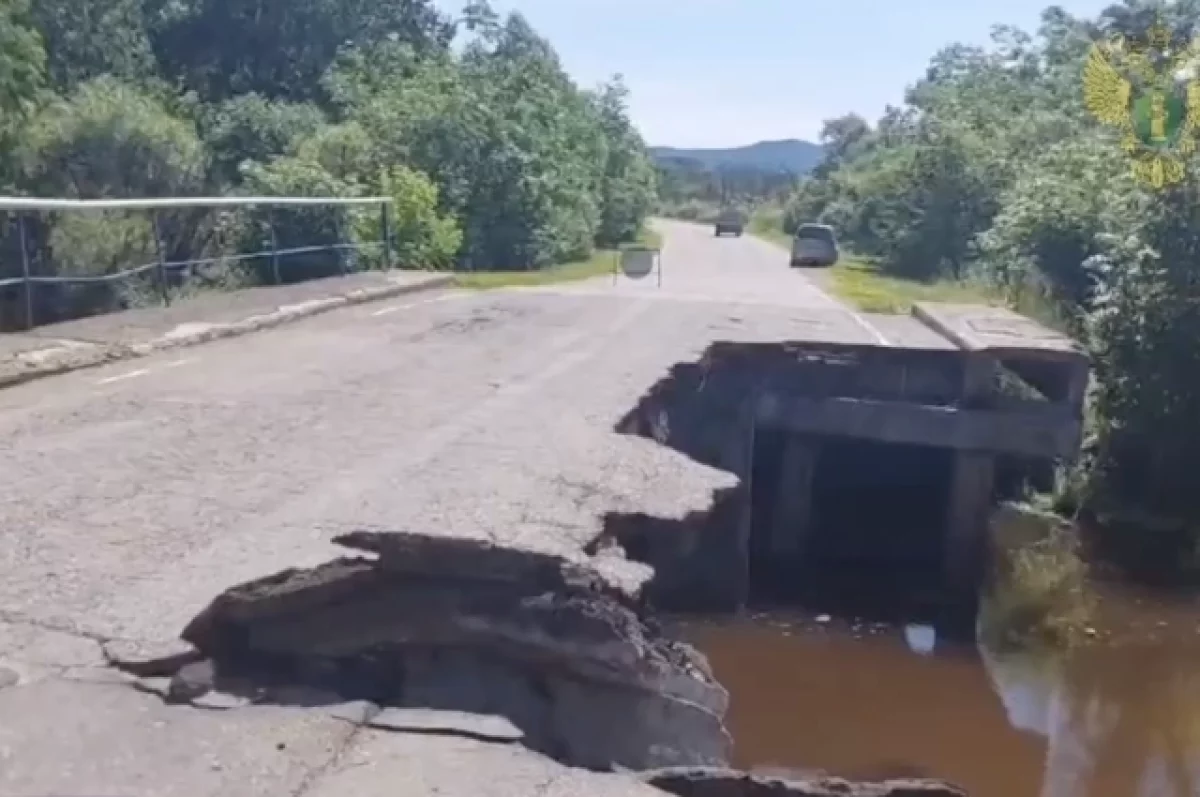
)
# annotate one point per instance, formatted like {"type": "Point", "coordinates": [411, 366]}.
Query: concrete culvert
{"type": "Point", "coordinates": [869, 540]}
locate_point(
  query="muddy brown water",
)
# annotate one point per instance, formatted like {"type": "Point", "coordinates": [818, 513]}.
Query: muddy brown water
{"type": "Point", "coordinates": [1119, 718]}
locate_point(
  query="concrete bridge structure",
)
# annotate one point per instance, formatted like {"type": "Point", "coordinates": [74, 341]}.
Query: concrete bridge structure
{"type": "Point", "coordinates": [847, 451]}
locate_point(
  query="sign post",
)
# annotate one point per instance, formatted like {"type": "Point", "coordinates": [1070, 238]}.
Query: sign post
{"type": "Point", "coordinates": [637, 263]}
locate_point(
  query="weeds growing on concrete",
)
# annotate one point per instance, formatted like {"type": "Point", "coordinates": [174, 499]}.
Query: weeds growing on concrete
{"type": "Point", "coordinates": [1039, 593]}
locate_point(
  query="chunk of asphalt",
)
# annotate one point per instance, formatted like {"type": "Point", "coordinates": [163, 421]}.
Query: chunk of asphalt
{"type": "Point", "coordinates": [451, 723]}
{"type": "Point", "coordinates": [191, 681]}
{"type": "Point", "coordinates": [358, 712]}
{"type": "Point", "coordinates": [154, 685]}
{"type": "Point", "coordinates": [220, 701]}
{"type": "Point", "coordinates": [149, 659]}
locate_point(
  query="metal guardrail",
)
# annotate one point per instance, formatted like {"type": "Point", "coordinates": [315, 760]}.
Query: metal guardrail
{"type": "Point", "coordinates": [24, 206]}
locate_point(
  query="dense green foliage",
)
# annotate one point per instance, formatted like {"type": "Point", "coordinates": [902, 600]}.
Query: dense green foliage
{"type": "Point", "coordinates": [689, 189]}
{"type": "Point", "coordinates": [695, 184]}
{"type": "Point", "coordinates": [791, 155]}
{"type": "Point", "coordinates": [993, 170]}
{"type": "Point", "coordinates": [494, 158]}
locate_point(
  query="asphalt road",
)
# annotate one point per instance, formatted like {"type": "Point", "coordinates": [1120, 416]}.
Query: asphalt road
{"type": "Point", "coordinates": [135, 492]}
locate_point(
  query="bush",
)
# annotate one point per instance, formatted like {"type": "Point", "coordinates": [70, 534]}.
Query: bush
{"type": "Point", "coordinates": [1038, 593]}
{"type": "Point", "coordinates": [107, 139]}
{"type": "Point", "coordinates": [111, 140]}
{"type": "Point", "coordinates": [250, 128]}
{"type": "Point", "coordinates": [345, 150]}
{"type": "Point", "coordinates": [296, 227]}
{"type": "Point", "coordinates": [100, 242]}
{"type": "Point", "coordinates": [421, 238]}
{"type": "Point", "coordinates": [1143, 335]}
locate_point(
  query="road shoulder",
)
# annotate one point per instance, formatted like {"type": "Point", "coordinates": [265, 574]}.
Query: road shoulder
{"type": "Point", "coordinates": [88, 342]}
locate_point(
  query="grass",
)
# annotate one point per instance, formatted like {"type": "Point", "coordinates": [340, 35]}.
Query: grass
{"type": "Point", "coordinates": [599, 264]}
{"type": "Point", "coordinates": [1040, 594]}
{"type": "Point", "coordinates": [859, 282]}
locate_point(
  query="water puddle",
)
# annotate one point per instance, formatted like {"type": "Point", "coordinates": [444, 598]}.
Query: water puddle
{"type": "Point", "coordinates": [873, 702]}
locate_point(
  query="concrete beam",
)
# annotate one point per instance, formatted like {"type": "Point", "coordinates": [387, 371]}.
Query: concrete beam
{"type": "Point", "coordinates": [1043, 434]}
{"type": "Point", "coordinates": [1001, 333]}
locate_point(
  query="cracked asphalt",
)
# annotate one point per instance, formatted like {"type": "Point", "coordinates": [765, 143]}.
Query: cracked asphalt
{"type": "Point", "coordinates": [136, 492]}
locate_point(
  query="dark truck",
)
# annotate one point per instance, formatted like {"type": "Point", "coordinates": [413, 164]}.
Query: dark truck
{"type": "Point", "coordinates": [730, 221]}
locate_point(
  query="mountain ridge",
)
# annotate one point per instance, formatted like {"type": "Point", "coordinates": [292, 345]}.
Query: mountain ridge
{"type": "Point", "coordinates": [783, 155]}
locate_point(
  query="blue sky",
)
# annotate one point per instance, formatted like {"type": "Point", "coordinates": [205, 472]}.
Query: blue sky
{"type": "Point", "coordinates": [714, 73]}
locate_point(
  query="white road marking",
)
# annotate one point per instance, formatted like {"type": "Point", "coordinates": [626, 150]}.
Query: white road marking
{"type": "Point", "coordinates": [880, 338]}
{"type": "Point", "coordinates": [177, 363]}
{"type": "Point", "coordinates": [122, 377]}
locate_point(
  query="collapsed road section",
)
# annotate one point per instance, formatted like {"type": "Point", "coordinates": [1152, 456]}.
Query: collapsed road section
{"type": "Point", "coordinates": [444, 635]}
{"type": "Point", "coordinates": [464, 626]}
{"type": "Point", "coordinates": [885, 457]}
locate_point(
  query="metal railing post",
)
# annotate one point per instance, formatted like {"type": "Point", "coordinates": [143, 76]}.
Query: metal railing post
{"type": "Point", "coordinates": [339, 233]}
{"type": "Point", "coordinates": [163, 287]}
{"type": "Point", "coordinates": [275, 276]}
{"type": "Point", "coordinates": [385, 232]}
{"type": "Point", "coordinates": [28, 286]}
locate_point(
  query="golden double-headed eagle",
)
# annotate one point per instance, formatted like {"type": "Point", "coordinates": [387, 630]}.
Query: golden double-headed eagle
{"type": "Point", "coordinates": [1138, 87]}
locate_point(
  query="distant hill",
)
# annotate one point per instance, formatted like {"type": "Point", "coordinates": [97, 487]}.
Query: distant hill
{"type": "Point", "coordinates": [791, 155]}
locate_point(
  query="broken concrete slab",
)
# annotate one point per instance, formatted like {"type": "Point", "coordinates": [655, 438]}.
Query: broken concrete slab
{"type": "Point", "coordinates": [63, 737]}
{"type": "Point", "coordinates": [484, 727]}
{"type": "Point", "coordinates": [447, 557]}
{"type": "Point", "coordinates": [154, 685]}
{"type": "Point", "coordinates": [464, 625]}
{"type": "Point", "coordinates": [358, 712]}
{"type": "Point", "coordinates": [709, 782]}
{"type": "Point", "coordinates": [220, 701]}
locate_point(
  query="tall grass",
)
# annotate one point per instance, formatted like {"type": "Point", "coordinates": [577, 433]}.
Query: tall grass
{"type": "Point", "coordinates": [1039, 592]}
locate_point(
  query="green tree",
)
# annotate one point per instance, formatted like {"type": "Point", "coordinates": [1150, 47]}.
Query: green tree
{"type": "Point", "coordinates": [279, 49]}
{"type": "Point", "coordinates": [87, 39]}
{"type": "Point", "coordinates": [251, 128]}
{"type": "Point", "coordinates": [279, 229]}
{"type": "Point", "coordinates": [421, 236]}
{"type": "Point", "coordinates": [108, 139]}
{"type": "Point", "coordinates": [628, 187]}
{"type": "Point", "coordinates": [22, 75]}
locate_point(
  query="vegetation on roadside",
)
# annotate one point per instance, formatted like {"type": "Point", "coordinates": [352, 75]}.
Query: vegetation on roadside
{"type": "Point", "coordinates": [603, 262]}
{"type": "Point", "coordinates": [693, 190]}
{"type": "Point", "coordinates": [861, 283]}
{"type": "Point", "coordinates": [495, 159]}
{"type": "Point", "coordinates": [993, 173]}
{"type": "Point", "coordinates": [1038, 593]}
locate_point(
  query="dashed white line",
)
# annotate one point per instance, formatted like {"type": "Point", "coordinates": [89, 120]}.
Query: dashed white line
{"type": "Point", "coordinates": [122, 377]}
{"type": "Point", "coordinates": [177, 363]}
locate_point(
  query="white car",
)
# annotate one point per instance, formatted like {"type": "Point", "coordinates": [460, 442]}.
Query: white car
{"type": "Point", "coordinates": [814, 245]}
